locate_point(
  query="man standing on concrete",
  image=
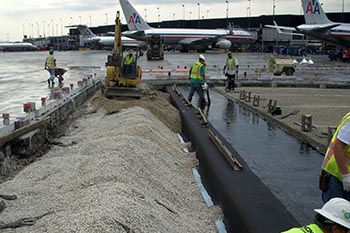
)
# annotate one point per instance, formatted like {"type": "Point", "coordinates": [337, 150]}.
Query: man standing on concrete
{"type": "Point", "coordinates": [335, 176]}
{"type": "Point", "coordinates": [50, 65]}
{"type": "Point", "coordinates": [230, 70]}
{"type": "Point", "coordinates": [197, 77]}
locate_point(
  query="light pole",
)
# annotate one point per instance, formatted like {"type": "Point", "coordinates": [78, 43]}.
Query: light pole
{"type": "Point", "coordinates": [79, 19]}
{"type": "Point", "coordinates": [43, 28]}
{"type": "Point", "coordinates": [183, 6]}
{"type": "Point", "coordinates": [158, 14]}
{"type": "Point", "coordinates": [342, 12]}
{"type": "Point", "coordinates": [207, 14]}
{"type": "Point", "coordinates": [37, 29]}
{"type": "Point", "coordinates": [106, 18]}
{"type": "Point", "coordinates": [30, 30]}
{"type": "Point", "coordinates": [173, 16]}
{"type": "Point", "coordinates": [61, 26]}
{"type": "Point", "coordinates": [199, 10]}
{"type": "Point", "coordinates": [190, 14]}
{"type": "Point", "coordinates": [53, 28]}
{"type": "Point", "coordinates": [199, 15]}
{"type": "Point", "coordinates": [249, 10]}
{"type": "Point", "coordinates": [90, 20]}
{"type": "Point", "coordinates": [146, 15]}
{"type": "Point", "coordinates": [226, 9]}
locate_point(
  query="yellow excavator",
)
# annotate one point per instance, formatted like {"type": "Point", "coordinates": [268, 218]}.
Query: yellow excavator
{"type": "Point", "coordinates": [118, 82]}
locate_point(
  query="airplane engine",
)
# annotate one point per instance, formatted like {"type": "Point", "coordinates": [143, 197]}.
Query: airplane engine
{"type": "Point", "coordinates": [223, 44]}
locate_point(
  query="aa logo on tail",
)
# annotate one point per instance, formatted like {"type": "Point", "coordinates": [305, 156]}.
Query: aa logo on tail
{"type": "Point", "coordinates": [134, 19]}
{"type": "Point", "coordinates": [313, 7]}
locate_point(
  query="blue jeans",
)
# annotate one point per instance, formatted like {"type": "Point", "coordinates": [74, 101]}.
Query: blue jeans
{"type": "Point", "coordinates": [335, 189]}
{"type": "Point", "coordinates": [52, 76]}
{"type": "Point", "coordinates": [196, 87]}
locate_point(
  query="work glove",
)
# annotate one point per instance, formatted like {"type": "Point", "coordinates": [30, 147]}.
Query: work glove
{"type": "Point", "coordinates": [346, 182]}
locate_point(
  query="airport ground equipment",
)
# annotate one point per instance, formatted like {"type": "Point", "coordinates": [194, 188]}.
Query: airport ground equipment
{"type": "Point", "coordinates": [279, 66]}
{"type": "Point", "coordinates": [116, 82]}
{"type": "Point", "coordinates": [155, 47]}
{"type": "Point", "coordinates": [345, 55]}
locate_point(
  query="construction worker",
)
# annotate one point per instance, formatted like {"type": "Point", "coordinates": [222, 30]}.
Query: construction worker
{"type": "Point", "coordinates": [230, 70]}
{"type": "Point", "coordinates": [333, 217]}
{"type": "Point", "coordinates": [335, 176]}
{"type": "Point", "coordinates": [128, 62]}
{"type": "Point", "coordinates": [197, 77]}
{"type": "Point", "coordinates": [50, 65]}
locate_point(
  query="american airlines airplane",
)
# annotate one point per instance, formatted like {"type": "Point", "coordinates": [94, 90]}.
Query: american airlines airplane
{"type": "Point", "coordinates": [89, 37]}
{"type": "Point", "coordinates": [222, 38]}
{"type": "Point", "coordinates": [318, 26]}
{"type": "Point", "coordinates": [17, 46]}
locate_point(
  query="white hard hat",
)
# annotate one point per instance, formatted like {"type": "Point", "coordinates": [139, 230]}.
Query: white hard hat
{"type": "Point", "coordinates": [201, 57]}
{"type": "Point", "coordinates": [337, 210]}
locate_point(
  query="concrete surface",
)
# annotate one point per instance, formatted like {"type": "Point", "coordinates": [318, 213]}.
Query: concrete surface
{"type": "Point", "coordinates": [326, 106]}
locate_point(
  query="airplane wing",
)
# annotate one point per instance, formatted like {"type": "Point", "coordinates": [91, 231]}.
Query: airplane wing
{"type": "Point", "coordinates": [284, 30]}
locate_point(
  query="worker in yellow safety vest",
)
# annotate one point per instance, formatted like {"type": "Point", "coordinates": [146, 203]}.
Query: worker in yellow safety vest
{"type": "Point", "coordinates": [335, 176]}
{"type": "Point", "coordinates": [128, 61]}
{"type": "Point", "coordinates": [50, 65]}
{"type": "Point", "coordinates": [334, 217]}
{"type": "Point", "coordinates": [197, 77]}
{"type": "Point", "coordinates": [230, 71]}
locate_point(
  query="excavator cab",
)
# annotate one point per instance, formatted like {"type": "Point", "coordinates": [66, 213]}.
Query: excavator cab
{"type": "Point", "coordinates": [119, 82]}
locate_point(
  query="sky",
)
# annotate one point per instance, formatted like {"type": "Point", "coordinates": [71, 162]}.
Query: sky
{"type": "Point", "coordinates": [49, 17]}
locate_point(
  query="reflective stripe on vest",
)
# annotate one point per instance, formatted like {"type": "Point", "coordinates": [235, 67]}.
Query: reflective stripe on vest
{"type": "Point", "coordinates": [233, 63]}
{"type": "Point", "coordinates": [50, 61]}
{"type": "Point", "coordinates": [329, 163]}
{"type": "Point", "coordinates": [196, 71]}
{"type": "Point", "coordinates": [312, 228]}
{"type": "Point", "coordinates": [129, 59]}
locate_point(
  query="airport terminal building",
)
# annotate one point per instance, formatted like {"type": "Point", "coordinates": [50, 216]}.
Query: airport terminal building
{"type": "Point", "coordinates": [266, 39]}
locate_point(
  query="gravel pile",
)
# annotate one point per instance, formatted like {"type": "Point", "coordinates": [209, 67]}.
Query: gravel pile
{"type": "Point", "coordinates": [123, 171]}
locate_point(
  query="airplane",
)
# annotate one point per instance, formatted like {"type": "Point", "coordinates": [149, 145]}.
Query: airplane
{"type": "Point", "coordinates": [317, 25]}
{"type": "Point", "coordinates": [89, 37]}
{"type": "Point", "coordinates": [17, 46]}
{"type": "Point", "coordinates": [221, 38]}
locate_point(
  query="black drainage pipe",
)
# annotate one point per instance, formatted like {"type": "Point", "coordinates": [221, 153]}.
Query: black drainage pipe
{"type": "Point", "coordinates": [248, 205]}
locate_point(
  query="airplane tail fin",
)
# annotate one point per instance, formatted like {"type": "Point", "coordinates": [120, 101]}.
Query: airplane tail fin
{"type": "Point", "coordinates": [313, 12]}
{"type": "Point", "coordinates": [133, 18]}
{"type": "Point", "coordinates": [85, 31]}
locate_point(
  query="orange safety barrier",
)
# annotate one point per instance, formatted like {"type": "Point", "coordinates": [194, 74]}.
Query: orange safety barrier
{"type": "Point", "coordinates": [181, 70]}
{"type": "Point", "coordinates": [160, 70]}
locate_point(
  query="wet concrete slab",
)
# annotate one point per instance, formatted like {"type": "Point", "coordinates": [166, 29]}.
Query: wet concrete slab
{"type": "Point", "coordinates": [326, 107]}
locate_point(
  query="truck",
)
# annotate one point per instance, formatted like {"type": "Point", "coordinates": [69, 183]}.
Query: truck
{"type": "Point", "coordinates": [155, 47]}
{"type": "Point", "coordinates": [279, 66]}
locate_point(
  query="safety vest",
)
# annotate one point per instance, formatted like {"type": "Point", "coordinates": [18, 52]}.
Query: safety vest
{"type": "Point", "coordinates": [129, 59]}
{"type": "Point", "coordinates": [232, 65]}
{"type": "Point", "coordinates": [312, 228]}
{"type": "Point", "coordinates": [329, 163]}
{"type": "Point", "coordinates": [50, 63]}
{"type": "Point", "coordinates": [196, 71]}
